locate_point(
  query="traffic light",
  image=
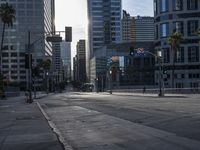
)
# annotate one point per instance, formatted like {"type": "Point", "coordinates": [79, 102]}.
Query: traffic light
{"type": "Point", "coordinates": [27, 61]}
{"type": "Point", "coordinates": [131, 51]}
{"type": "Point", "coordinates": [164, 71]}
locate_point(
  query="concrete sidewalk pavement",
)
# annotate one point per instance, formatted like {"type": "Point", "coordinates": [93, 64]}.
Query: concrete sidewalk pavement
{"type": "Point", "coordinates": [23, 127]}
{"type": "Point", "coordinates": [173, 95]}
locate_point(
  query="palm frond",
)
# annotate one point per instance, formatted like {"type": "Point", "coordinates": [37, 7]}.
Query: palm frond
{"type": "Point", "coordinates": [7, 13]}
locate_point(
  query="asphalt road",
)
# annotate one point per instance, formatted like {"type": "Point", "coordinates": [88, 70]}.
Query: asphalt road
{"type": "Point", "coordinates": [90, 121]}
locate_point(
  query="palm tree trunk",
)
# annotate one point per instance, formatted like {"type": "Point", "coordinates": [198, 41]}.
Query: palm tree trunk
{"type": "Point", "coordinates": [173, 68]}
{"type": "Point", "coordinates": [2, 40]}
{"type": "Point", "coordinates": [2, 95]}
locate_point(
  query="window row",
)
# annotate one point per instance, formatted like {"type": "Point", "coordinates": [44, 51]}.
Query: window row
{"type": "Point", "coordinates": [192, 27]}
{"type": "Point", "coordinates": [192, 53]}
{"type": "Point", "coordinates": [177, 5]}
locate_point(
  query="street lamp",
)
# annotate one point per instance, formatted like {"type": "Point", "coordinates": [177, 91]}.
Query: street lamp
{"type": "Point", "coordinates": [96, 84]}
{"type": "Point", "coordinates": [110, 73]}
{"type": "Point", "coordinates": [47, 82]}
{"type": "Point", "coordinates": [161, 90]}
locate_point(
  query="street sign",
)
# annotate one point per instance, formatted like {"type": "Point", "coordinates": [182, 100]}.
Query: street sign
{"type": "Point", "coordinates": [54, 39]}
{"type": "Point", "coordinates": [140, 52]}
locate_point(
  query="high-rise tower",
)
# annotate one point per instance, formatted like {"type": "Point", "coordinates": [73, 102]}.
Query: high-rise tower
{"type": "Point", "coordinates": [37, 17]}
{"type": "Point", "coordinates": [104, 25]}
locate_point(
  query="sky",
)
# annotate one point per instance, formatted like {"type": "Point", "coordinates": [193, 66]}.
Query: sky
{"type": "Point", "coordinates": [74, 13]}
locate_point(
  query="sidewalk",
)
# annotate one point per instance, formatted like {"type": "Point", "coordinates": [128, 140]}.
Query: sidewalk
{"type": "Point", "coordinates": [23, 127]}
{"type": "Point", "coordinates": [140, 94]}
{"type": "Point", "coordinates": [148, 94]}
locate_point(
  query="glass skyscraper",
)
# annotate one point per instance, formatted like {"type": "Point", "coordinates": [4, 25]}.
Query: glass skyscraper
{"type": "Point", "coordinates": [104, 27]}
{"type": "Point", "coordinates": [36, 16]}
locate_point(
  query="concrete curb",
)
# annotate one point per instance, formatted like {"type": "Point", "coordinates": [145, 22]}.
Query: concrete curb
{"type": "Point", "coordinates": [144, 95]}
{"type": "Point", "coordinates": [61, 139]}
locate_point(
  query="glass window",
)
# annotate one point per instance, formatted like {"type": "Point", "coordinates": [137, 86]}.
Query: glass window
{"type": "Point", "coordinates": [192, 27]}
{"type": "Point", "coordinates": [21, 5]}
{"type": "Point", "coordinates": [178, 27]}
{"type": "Point", "coordinates": [179, 55]}
{"type": "Point", "coordinates": [192, 4]}
{"type": "Point", "coordinates": [156, 32]}
{"type": "Point", "coordinates": [163, 5]}
{"type": "Point", "coordinates": [177, 5]}
{"type": "Point", "coordinates": [166, 55]}
{"type": "Point", "coordinates": [193, 54]}
{"type": "Point", "coordinates": [164, 30]}
{"type": "Point", "coordinates": [155, 7]}
{"type": "Point", "coordinates": [4, 54]}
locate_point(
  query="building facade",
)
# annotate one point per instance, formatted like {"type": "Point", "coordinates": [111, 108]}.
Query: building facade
{"type": "Point", "coordinates": [114, 62]}
{"type": "Point", "coordinates": [66, 59]}
{"type": "Point", "coordinates": [81, 61]}
{"type": "Point", "coordinates": [104, 26]}
{"type": "Point", "coordinates": [57, 63]}
{"type": "Point", "coordinates": [75, 68]}
{"type": "Point", "coordinates": [128, 28]}
{"type": "Point", "coordinates": [144, 28]}
{"type": "Point", "coordinates": [137, 29]}
{"type": "Point", "coordinates": [179, 16]}
{"type": "Point", "coordinates": [36, 17]}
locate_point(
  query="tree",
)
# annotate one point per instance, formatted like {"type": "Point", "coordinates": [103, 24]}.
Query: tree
{"type": "Point", "coordinates": [174, 41]}
{"type": "Point", "coordinates": [45, 64]}
{"type": "Point", "coordinates": [7, 15]}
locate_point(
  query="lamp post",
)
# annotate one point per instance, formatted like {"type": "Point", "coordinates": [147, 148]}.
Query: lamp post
{"type": "Point", "coordinates": [96, 84]}
{"type": "Point", "coordinates": [110, 74]}
{"type": "Point", "coordinates": [47, 80]}
{"type": "Point", "coordinates": [161, 90]}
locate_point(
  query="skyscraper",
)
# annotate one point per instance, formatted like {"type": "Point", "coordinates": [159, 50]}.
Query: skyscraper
{"type": "Point", "coordinates": [66, 58]}
{"type": "Point", "coordinates": [104, 25]}
{"type": "Point", "coordinates": [180, 16]}
{"type": "Point", "coordinates": [128, 28]}
{"type": "Point", "coordinates": [36, 17]}
{"type": "Point", "coordinates": [137, 29]}
{"type": "Point", "coordinates": [80, 47]}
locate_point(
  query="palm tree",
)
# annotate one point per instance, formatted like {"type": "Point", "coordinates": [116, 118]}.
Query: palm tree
{"type": "Point", "coordinates": [7, 15]}
{"type": "Point", "coordinates": [174, 41]}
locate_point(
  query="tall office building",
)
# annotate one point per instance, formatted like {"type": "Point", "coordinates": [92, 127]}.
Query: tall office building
{"type": "Point", "coordinates": [128, 28]}
{"type": "Point", "coordinates": [179, 16]}
{"type": "Point", "coordinates": [75, 68]}
{"type": "Point", "coordinates": [57, 62]}
{"type": "Point", "coordinates": [37, 17]}
{"type": "Point", "coordinates": [137, 29]}
{"type": "Point", "coordinates": [144, 28]}
{"type": "Point", "coordinates": [66, 59]}
{"type": "Point", "coordinates": [81, 61]}
{"type": "Point", "coordinates": [104, 26]}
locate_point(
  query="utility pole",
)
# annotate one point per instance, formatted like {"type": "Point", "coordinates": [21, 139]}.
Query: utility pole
{"type": "Point", "coordinates": [30, 100]}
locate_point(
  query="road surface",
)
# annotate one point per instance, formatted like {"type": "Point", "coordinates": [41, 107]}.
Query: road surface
{"type": "Point", "coordinates": [88, 121]}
